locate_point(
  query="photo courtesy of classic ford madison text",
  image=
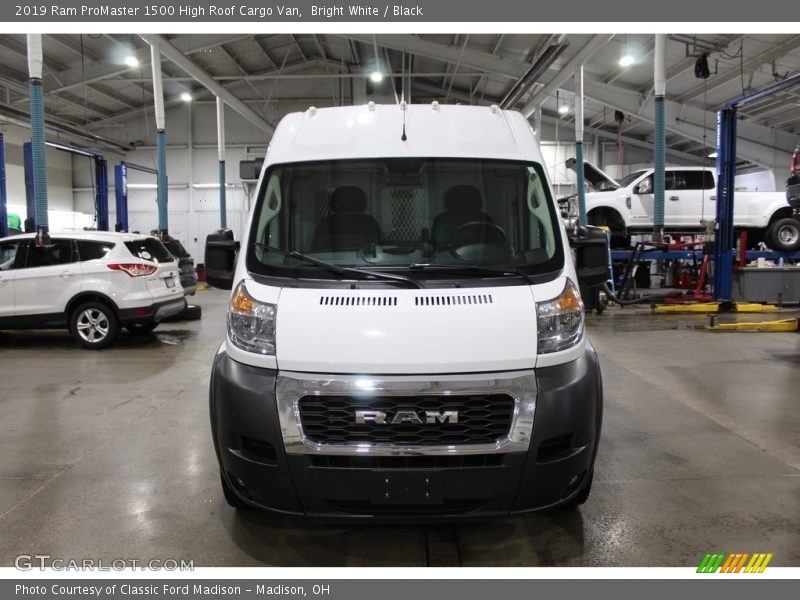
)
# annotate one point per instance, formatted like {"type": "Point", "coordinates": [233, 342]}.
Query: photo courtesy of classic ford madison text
{"type": "Point", "coordinates": [399, 300]}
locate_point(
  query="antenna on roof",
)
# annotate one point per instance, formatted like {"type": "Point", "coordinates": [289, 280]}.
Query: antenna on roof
{"type": "Point", "coordinates": [403, 107]}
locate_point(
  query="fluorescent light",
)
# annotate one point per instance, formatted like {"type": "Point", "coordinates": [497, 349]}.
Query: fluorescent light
{"type": "Point", "coordinates": [132, 61]}
{"type": "Point", "coordinates": [563, 109]}
{"type": "Point", "coordinates": [142, 186]}
{"type": "Point", "coordinates": [712, 155]}
{"type": "Point", "coordinates": [626, 61]}
{"type": "Point", "coordinates": [186, 97]}
{"type": "Point", "coordinates": [376, 77]}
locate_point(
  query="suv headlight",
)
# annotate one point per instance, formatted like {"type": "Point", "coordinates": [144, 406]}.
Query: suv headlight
{"type": "Point", "coordinates": [251, 324]}
{"type": "Point", "coordinates": [560, 320]}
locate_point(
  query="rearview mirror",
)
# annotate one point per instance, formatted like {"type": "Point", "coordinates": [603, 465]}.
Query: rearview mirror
{"type": "Point", "coordinates": [221, 250]}
{"type": "Point", "coordinates": [591, 256]}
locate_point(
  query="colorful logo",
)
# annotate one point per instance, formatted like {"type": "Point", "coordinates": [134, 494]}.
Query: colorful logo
{"type": "Point", "coordinates": [734, 563]}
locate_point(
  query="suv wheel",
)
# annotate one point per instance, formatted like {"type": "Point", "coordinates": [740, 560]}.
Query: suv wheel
{"type": "Point", "coordinates": [94, 325]}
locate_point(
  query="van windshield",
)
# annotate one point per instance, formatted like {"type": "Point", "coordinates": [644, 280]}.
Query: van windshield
{"type": "Point", "coordinates": [407, 216]}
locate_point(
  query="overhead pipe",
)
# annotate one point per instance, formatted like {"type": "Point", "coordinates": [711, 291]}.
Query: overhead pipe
{"type": "Point", "coordinates": [659, 138]}
{"type": "Point", "coordinates": [39, 162]}
{"type": "Point", "coordinates": [223, 208]}
{"type": "Point", "coordinates": [161, 141]}
{"type": "Point", "coordinates": [582, 219]}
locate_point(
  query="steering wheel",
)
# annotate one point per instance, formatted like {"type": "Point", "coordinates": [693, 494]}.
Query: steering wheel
{"type": "Point", "coordinates": [492, 242]}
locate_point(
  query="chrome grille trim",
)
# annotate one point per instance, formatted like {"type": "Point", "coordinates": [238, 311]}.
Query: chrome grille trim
{"type": "Point", "coordinates": [291, 386]}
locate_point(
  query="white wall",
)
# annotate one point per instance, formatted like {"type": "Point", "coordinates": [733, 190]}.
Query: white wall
{"type": "Point", "coordinates": [193, 211]}
{"type": "Point", "coordinates": [59, 179]}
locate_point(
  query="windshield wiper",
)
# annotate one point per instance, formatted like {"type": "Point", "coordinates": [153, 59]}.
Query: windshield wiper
{"type": "Point", "coordinates": [505, 271]}
{"type": "Point", "coordinates": [363, 274]}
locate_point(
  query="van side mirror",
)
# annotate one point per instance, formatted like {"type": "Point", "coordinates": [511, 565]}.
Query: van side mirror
{"type": "Point", "coordinates": [221, 250]}
{"type": "Point", "coordinates": [591, 256]}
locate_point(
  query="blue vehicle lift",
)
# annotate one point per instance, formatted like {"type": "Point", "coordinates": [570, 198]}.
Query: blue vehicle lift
{"type": "Point", "coordinates": [100, 181]}
{"type": "Point", "coordinates": [121, 190]}
{"type": "Point", "coordinates": [726, 171]}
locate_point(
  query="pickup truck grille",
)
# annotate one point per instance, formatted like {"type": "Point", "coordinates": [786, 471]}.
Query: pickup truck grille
{"type": "Point", "coordinates": [482, 419]}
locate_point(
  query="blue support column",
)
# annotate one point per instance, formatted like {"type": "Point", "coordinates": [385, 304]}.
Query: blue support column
{"type": "Point", "coordinates": [223, 207]}
{"type": "Point", "coordinates": [161, 158]}
{"type": "Point", "coordinates": [39, 162]}
{"type": "Point", "coordinates": [3, 194]}
{"type": "Point", "coordinates": [659, 147]}
{"type": "Point", "coordinates": [726, 172]}
{"type": "Point", "coordinates": [582, 219]}
{"type": "Point", "coordinates": [121, 196]}
{"type": "Point", "coordinates": [30, 201]}
{"type": "Point", "coordinates": [101, 192]}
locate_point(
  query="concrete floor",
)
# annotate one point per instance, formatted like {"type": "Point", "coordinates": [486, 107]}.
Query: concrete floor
{"type": "Point", "coordinates": [108, 455]}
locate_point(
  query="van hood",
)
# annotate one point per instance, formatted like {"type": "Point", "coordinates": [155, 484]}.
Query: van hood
{"type": "Point", "coordinates": [599, 180]}
{"type": "Point", "coordinates": [406, 331]}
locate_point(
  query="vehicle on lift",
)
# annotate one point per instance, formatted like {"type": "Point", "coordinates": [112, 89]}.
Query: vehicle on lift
{"type": "Point", "coordinates": [627, 206]}
{"type": "Point", "coordinates": [92, 283]}
{"type": "Point", "coordinates": [793, 196]}
{"type": "Point", "coordinates": [405, 336]}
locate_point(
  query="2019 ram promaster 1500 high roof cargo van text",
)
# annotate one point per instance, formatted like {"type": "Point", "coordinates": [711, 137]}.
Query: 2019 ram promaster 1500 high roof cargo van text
{"type": "Point", "coordinates": [405, 335]}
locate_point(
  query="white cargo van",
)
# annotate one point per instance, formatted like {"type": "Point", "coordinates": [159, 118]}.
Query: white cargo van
{"type": "Point", "coordinates": [405, 332]}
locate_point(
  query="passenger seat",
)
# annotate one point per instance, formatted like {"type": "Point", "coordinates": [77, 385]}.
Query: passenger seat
{"type": "Point", "coordinates": [347, 227]}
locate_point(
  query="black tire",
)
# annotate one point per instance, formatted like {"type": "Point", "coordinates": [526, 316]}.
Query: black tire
{"type": "Point", "coordinates": [94, 325]}
{"type": "Point", "coordinates": [582, 496]}
{"type": "Point", "coordinates": [192, 312]}
{"type": "Point", "coordinates": [230, 496]}
{"type": "Point", "coordinates": [783, 235]}
{"type": "Point", "coordinates": [141, 328]}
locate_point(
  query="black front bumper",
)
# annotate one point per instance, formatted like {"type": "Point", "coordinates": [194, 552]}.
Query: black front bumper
{"type": "Point", "coordinates": [793, 191]}
{"type": "Point", "coordinates": [247, 438]}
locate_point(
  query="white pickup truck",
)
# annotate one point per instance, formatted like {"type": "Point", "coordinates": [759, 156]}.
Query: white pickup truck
{"type": "Point", "coordinates": [690, 194]}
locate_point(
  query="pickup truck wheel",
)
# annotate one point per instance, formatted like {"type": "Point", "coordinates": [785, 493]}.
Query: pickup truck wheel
{"type": "Point", "coordinates": [784, 235]}
{"type": "Point", "coordinates": [94, 325]}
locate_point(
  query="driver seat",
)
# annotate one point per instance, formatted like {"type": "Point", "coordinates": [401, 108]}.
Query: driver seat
{"type": "Point", "coordinates": [462, 205]}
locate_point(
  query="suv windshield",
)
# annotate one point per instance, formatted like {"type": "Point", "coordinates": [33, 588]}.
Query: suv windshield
{"type": "Point", "coordinates": [397, 215]}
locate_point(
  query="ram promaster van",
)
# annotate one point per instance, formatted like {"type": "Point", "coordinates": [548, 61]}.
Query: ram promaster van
{"type": "Point", "coordinates": [405, 334]}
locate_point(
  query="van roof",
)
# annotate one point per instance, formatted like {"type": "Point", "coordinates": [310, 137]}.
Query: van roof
{"type": "Point", "coordinates": [375, 130]}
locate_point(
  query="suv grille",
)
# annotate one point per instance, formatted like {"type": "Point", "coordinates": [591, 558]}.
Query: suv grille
{"type": "Point", "coordinates": [482, 419]}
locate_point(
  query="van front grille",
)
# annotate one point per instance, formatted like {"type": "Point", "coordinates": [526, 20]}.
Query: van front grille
{"type": "Point", "coordinates": [407, 421]}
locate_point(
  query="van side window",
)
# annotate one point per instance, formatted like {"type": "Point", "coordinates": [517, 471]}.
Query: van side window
{"type": "Point", "coordinates": [57, 252]}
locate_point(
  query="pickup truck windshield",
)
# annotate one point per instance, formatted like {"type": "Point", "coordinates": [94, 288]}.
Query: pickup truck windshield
{"type": "Point", "coordinates": [630, 178]}
{"type": "Point", "coordinates": [394, 215]}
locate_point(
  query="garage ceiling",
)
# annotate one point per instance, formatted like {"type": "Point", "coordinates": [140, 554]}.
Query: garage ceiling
{"type": "Point", "coordinates": [89, 86]}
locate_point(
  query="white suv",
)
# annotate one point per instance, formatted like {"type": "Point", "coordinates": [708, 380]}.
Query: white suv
{"type": "Point", "coordinates": [92, 283]}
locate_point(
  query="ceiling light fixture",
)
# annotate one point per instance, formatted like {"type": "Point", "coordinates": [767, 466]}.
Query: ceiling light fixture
{"type": "Point", "coordinates": [132, 61]}
{"type": "Point", "coordinates": [563, 109]}
{"type": "Point", "coordinates": [376, 77]}
{"type": "Point", "coordinates": [186, 97]}
{"type": "Point", "coordinates": [626, 60]}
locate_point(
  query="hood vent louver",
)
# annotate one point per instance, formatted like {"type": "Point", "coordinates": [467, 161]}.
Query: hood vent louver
{"type": "Point", "coordinates": [382, 301]}
{"type": "Point", "coordinates": [454, 300]}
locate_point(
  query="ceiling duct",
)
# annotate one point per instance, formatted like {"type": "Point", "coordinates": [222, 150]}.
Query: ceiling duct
{"type": "Point", "coordinates": [532, 75]}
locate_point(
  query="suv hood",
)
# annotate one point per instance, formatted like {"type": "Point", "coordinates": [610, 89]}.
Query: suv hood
{"type": "Point", "coordinates": [594, 176]}
{"type": "Point", "coordinates": [406, 331]}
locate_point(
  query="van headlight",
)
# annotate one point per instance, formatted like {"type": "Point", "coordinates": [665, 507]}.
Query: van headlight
{"type": "Point", "coordinates": [560, 320]}
{"type": "Point", "coordinates": [251, 324]}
